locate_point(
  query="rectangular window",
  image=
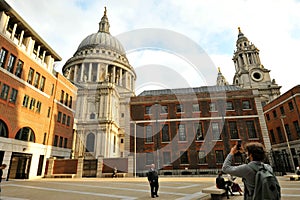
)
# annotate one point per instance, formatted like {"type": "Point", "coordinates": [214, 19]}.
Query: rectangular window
{"type": "Point", "coordinates": [62, 95]}
{"type": "Point", "coordinates": [49, 112]}
{"type": "Point", "coordinates": [149, 134]}
{"type": "Point", "coordinates": [164, 110]}
{"type": "Point", "coordinates": [3, 53]}
{"type": "Point", "coordinates": [198, 131]}
{"type": "Point", "coordinates": [52, 90]}
{"type": "Point", "coordinates": [61, 141]}
{"type": "Point", "coordinates": [55, 142]}
{"type": "Point", "coordinates": [45, 137]}
{"type": "Point", "coordinates": [273, 139]}
{"type": "Point", "coordinates": [42, 83]}
{"type": "Point", "coordinates": [70, 102]}
{"type": "Point", "coordinates": [38, 107]}
{"type": "Point", "coordinates": [219, 156]}
{"type": "Point", "coordinates": [19, 69]}
{"type": "Point", "coordinates": [282, 110]}
{"type": "Point", "coordinates": [149, 158]}
{"type": "Point", "coordinates": [274, 114]}
{"type": "Point", "coordinates": [268, 117]}
{"type": "Point", "coordinates": [280, 136]}
{"type": "Point", "coordinates": [246, 104]}
{"type": "Point", "coordinates": [212, 107]}
{"type": "Point", "coordinates": [215, 131]}
{"type": "Point", "coordinates": [11, 63]}
{"type": "Point", "coordinates": [30, 76]}
{"type": "Point", "coordinates": [64, 119]}
{"type": "Point", "coordinates": [65, 142]}
{"type": "Point", "coordinates": [59, 117]}
{"type": "Point", "coordinates": [201, 157]}
{"type": "Point", "coordinates": [32, 104]}
{"type": "Point", "coordinates": [148, 110]}
{"type": "Point", "coordinates": [288, 131]}
{"type": "Point", "coordinates": [4, 92]}
{"type": "Point", "coordinates": [251, 129]}
{"type": "Point", "coordinates": [167, 158]}
{"type": "Point", "coordinates": [233, 130]}
{"type": "Point", "coordinates": [68, 121]}
{"type": "Point", "coordinates": [179, 108]}
{"type": "Point", "coordinates": [291, 106]}
{"type": "Point", "coordinates": [297, 127]}
{"type": "Point", "coordinates": [229, 105]}
{"type": "Point", "coordinates": [36, 80]}
{"type": "Point", "coordinates": [184, 159]}
{"type": "Point", "coordinates": [66, 99]}
{"type": "Point", "coordinates": [181, 131]}
{"type": "Point", "coordinates": [13, 96]}
{"type": "Point", "coordinates": [165, 133]}
{"type": "Point", "coordinates": [25, 101]}
{"type": "Point", "coordinates": [196, 107]}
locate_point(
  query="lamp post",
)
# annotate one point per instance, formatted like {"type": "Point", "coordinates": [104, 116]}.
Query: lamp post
{"type": "Point", "coordinates": [134, 149]}
{"type": "Point", "coordinates": [287, 142]}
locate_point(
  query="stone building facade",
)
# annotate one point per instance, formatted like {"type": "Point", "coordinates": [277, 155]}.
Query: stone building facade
{"type": "Point", "coordinates": [36, 103]}
{"type": "Point", "coordinates": [105, 81]}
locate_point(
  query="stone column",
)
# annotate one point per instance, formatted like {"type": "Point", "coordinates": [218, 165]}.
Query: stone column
{"type": "Point", "coordinates": [82, 72]}
{"type": "Point", "coordinates": [79, 167]}
{"type": "Point", "coordinates": [50, 167]}
{"type": "Point", "coordinates": [75, 73]}
{"type": "Point", "coordinates": [99, 166]}
{"type": "Point", "coordinates": [13, 31]}
{"type": "Point", "coordinates": [21, 38]}
{"type": "Point", "coordinates": [130, 166]}
{"type": "Point", "coordinates": [90, 72]}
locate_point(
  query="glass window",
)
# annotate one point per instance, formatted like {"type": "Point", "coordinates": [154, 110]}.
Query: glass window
{"type": "Point", "coordinates": [219, 156]}
{"type": "Point", "coordinates": [42, 83]}
{"type": "Point", "coordinates": [278, 129]}
{"type": "Point", "coordinates": [212, 107]}
{"type": "Point", "coordinates": [297, 127]}
{"type": "Point", "coordinates": [164, 109]}
{"type": "Point", "coordinates": [149, 158]}
{"type": "Point", "coordinates": [11, 63]}
{"type": "Point", "coordinates": [165, 133]}
{"type": "Point", "coordinates": [59, 117]}
{"type": "Point", "coordinates": [215, 131]}
{"type": "Point", "coordinates": [148, 110]}
{"type": "Point", "coordinates": [65, 142]}
{"type": "Point", "coordinates": [32, 104]}
{"type": "Point", "coordinates": [282, 110]}
{"type": "Point", "coordinates": [4, 92]}
{"type": "Point", "coordinates": [55, 142]}
{"type": "Point", "coordinates": [268, 117]}
{"type": "Point", "coordinates": [64, 119]}
{"type": "Point", "coordinates": [3, 129]}
{"type": "Point", "coordinates": [288, 131]}
{"type": "Point", "coordinates": [66, 99]}
{"type": "Point", "coordinates": [92, 116]}
{"type": "Point", "coordinates": [68, 121]}
{"type": "Point", "coordinates": [274, 114]}
{"type": "Point", "coordinates": [229, 105]}
{"type": "Point", "coordinates": [291, 106]}
{"type": "Point", "coordinates": [179, 108]}
{"type": "Point", "coordinates": [70, 102]}
{"type": "Point", "coordinates": [184, 159]}
{"type": "Point", "coordinates": [181, 131]}
{"type": "Point", "coordinates": [201, 157]}
{"type": "Point", "coordinates": [25, 101]}
{"type": "Point", "coordinates": [149, 134]}
{"type": "Point", "coordinates": [198, 130]}
{"type": "Point", "coordinates": [251, 129]}
{"type": "Point", "coordinates": [3, 54]}
{"type": "Point", "coordinates": [196, 107]}
{"type": "Point", "coordinates": [233, 130]}
{"type": "Point", "coordinates": [25, 134]}
{"type": "Point", "coordinates": [38, 106]}
{"type": "Point", "coordinates": [246, 104]}
{"type": "Point", "coordinates": [167, 158]}
{"type": "Point", "coordinates": [62, 94]}
{"type": "Point", "coordinates": [19, 69]}
{"type": "Point", "coordinates": [13, 95]}
{"type": "Point", "coordinates": [30, 76]}
{"type": "Point", "coordinates": [273, 139]}
{"type": "Point", "coordinates": [90, 143]}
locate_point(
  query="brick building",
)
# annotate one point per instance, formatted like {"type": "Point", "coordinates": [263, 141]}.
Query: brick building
{"type": "Point", "coordinates": [36, 103]}
{"type": "Point", "coordinates": [192, 130]}
{"type": "Point", "coordinates": [283, 122]}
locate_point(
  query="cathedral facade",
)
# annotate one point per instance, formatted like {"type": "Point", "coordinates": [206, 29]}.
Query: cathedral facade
{"type": "Point", "coordinates": [105, 81]}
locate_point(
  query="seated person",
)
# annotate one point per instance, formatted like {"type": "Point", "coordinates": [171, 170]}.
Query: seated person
{"type": "Point", "coordinates": [222, 184]}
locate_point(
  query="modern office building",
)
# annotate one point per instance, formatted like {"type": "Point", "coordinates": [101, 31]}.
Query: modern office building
{"type": "Point", "coordinates": [36, 102]}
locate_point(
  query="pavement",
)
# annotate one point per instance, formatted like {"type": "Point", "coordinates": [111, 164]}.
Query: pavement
{"type": "Point", "coordinates": [177, 188]}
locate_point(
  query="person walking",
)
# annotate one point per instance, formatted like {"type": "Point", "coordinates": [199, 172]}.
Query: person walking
{"type": "Point", "coordinates": [153, 180]}
{"type": "Point", "coordinates": [3, 166]}
{"type": "Point", "coordinates": [255, 153]}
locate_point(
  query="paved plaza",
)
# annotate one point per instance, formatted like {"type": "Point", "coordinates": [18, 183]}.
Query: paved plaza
{"type": "Point", "coordinates": [177, 188]}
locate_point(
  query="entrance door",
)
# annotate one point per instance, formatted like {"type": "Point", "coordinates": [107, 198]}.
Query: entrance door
{"type": "Point", "coordinates": [89, 168]}
{"type": "Point", "coordinates": [20, 166]}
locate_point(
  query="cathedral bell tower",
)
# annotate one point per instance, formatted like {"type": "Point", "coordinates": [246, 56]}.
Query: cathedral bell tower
{"type": "Point", "coordinates": [250, 73]}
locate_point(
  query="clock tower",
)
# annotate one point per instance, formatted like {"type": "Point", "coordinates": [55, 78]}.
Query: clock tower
{"type": "Point", "coordinates": [250, 73]}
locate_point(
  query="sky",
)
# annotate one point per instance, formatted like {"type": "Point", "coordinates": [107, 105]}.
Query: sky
{"type": "Point", "coordinates": [273, 26]}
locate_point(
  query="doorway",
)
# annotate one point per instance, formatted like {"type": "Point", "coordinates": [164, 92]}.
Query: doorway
{"type": "Point", "coordinates": [19, 166]}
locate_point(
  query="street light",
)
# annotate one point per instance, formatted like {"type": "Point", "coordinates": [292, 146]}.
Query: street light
{"type": "Point", "coordinates": [287, 141]}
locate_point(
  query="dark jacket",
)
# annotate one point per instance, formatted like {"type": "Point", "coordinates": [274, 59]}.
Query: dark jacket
{"type": "Point", "coordinates": [152, 175]}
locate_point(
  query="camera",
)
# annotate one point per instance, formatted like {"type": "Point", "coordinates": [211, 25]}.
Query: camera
{"type": "Point", "coordinates": [239, 144]}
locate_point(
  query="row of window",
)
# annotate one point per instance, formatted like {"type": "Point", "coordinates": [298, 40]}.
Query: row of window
{"type": "Point", "coordinates": [60, 141]}
{"type": "Point", "coordinates": [198, 131]}
{"type": "Point", "coordinates": [32, 104]}
{"type": "Point", "coordinates": [185, 160]}
{"type": "Point", "coordinates": [288, 133]}
{"type": "Point", "coordinates": [66, 99]}
{"type": "Point", "coordinates": [246, 105]}
{"type": "Point", "coordinates": [282, 111]}
{"type": "Point", "coordinates": [63, 118]}
{"type": "Point", "coordinates": [5, 90]}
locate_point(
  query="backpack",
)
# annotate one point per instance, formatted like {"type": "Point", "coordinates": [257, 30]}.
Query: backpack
{"type": "Point", "coordinates": [266, 184]}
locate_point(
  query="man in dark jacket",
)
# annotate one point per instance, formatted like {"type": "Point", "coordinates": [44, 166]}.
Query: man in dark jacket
{"type": "Point", "coordinates": [153, 180]}
{"type": "Point", "coordinates": [222, 184]}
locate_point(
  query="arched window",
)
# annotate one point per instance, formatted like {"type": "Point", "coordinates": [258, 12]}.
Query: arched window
{"type": "Point", "coordinates": [3, 129]}
{"type": "Point", "coordinates": [92, 116]}
{"type": "Point", "coordinates": [90, 142]}
{"type": "Point", "coordinates": [25, 134]}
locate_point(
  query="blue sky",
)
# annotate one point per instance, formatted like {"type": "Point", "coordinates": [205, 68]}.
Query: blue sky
{"type": "Point", "coordinates": [272, 25]}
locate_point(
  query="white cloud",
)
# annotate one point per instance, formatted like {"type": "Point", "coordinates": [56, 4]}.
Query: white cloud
{"type": "Point", "coordinates": [273, 26]}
